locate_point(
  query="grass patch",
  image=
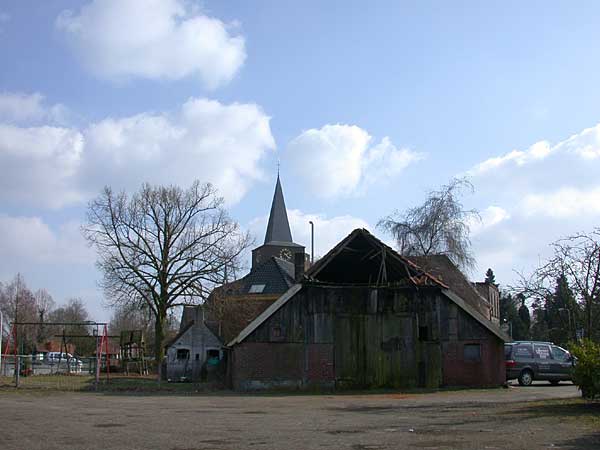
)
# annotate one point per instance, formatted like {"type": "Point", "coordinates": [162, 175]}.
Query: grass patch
{"type": "Point", "coordinates": [572, 409]}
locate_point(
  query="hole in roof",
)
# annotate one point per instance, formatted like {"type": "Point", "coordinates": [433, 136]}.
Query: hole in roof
{"type": "Point", "coordinates": [363, 261]}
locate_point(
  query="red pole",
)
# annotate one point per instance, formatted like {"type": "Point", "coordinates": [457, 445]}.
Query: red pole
{"type": "Point", "coordinates": [107, 354]}
{"type": "Point", "coordinates": [17, 368]}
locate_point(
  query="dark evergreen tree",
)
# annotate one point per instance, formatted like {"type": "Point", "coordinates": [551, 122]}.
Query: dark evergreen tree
{"type": "Point", "coordinates": [509, 315]}
{"type": "Point", "coordinates": [524, 318]}
{"type": "Point", "coordinates": [490, 277]}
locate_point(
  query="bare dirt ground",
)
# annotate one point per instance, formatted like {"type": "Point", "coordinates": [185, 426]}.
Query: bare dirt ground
{"type": "Point", "coordinates": [541, 416]}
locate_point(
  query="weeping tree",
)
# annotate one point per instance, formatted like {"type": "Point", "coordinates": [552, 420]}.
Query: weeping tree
{"type": "Point", "coordinates": [162, 247]}
{"type": "Point", "coordinates": [441, 225]}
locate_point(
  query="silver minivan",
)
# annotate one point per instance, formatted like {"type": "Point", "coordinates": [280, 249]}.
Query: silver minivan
{"type": "Point", "coordinates": [527, 361]}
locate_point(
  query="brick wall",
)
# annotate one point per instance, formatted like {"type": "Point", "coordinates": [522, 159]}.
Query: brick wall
{"type": "Point", "coordinates": [264, 365]}
{"type": "Point", "coordinates": [268, 365]}
{"type": "Point", "coordinates": [488, 371]}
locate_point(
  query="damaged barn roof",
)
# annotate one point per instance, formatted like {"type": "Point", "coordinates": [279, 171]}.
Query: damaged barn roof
{"type": "Point", "coordinates": [361, 259]}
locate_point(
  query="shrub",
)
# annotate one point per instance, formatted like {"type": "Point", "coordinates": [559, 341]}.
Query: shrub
{"type": "Point", "coordinates": [586, 373]}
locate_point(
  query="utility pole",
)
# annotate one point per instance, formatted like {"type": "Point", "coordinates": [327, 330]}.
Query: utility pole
{"type": "Point", "coordinates": [312, 241]}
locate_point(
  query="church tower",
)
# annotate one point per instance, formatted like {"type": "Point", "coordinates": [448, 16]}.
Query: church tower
{"type": "Point", "coordinates": [278, 238]}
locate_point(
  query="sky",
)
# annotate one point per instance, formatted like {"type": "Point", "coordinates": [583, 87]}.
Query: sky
{"type": "Point", "coordinates": [367, 107]}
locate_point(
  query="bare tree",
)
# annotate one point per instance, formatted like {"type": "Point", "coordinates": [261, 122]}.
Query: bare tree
{"type": "Point", "coordinates": [44, 304]}
{"type": "Point", "coordinates": [17, 303]}
{"type": "Point", "coordinates": [577, 259]}
{"type": "Point", "coordinates": [163, 247]}
{"type": "Point", "coordinates": [440, 225]}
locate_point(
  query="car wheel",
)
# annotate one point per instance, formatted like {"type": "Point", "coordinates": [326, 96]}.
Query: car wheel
{"type": "Point", "coordinates": [554, 382]}
{"type": "Point", "coordinates": [526, 378]}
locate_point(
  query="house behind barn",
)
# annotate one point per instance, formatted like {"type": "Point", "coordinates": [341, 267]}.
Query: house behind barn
{"type": "Point", "coordinates": [232, 306]}
{"type": "Point", "coordinates": [364, 316]}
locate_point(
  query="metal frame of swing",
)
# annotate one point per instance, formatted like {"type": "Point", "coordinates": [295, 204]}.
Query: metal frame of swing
{"type": "Point", "coordinates": [101, 344]}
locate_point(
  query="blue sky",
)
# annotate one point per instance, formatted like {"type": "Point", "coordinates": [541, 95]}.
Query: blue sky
{"type": "Point", "coordinates": [367, 107]}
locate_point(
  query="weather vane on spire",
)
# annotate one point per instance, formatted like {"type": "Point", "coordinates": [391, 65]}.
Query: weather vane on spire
{"type": "Point", "coordinates": [278, 164]}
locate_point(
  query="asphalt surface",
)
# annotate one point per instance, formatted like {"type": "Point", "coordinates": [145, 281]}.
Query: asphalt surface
{"type": "Point", "coordinates": [515, 418]}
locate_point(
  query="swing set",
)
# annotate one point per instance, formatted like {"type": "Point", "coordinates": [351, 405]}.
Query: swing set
{"type": "Point", "coordinates": [99, 333]}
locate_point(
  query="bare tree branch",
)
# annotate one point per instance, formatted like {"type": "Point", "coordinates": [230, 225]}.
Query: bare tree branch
{"type": "Point", "coordinates": [163, 247]}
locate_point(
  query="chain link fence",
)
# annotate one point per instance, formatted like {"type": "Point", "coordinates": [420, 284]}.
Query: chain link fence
{"type": "Point", "coordinates": [51, 372]}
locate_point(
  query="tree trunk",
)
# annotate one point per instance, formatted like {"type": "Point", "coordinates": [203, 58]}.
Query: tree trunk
{"type": "Point", "coordinates": [589, 317]}
{"type": "Point", "coordinates": [159, 337]}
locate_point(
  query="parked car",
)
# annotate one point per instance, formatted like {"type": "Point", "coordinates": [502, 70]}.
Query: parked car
{"type": "Point", "coordinates": [533, 360]}
{"type": "Point", "coordinates": [56, 357]}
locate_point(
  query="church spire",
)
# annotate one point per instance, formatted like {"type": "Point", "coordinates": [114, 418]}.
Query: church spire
{"type": "Point", "coordinates": [278, 229]}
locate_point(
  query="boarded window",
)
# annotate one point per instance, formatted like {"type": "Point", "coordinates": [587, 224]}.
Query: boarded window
{"type": "Point", "coordinates": [257, 288]}
{"type": "Point", "coordinates": [183, 353]}
{"type": "Point", "coordinates": [472, 352]}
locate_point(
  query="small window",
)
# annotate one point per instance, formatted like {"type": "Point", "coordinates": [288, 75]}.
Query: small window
{"type": "Point", "coordinates": [423, 333]}
{"type": "Point", "coordinates": [213, 357]}
{"type": "Point", "coordinates": [183, 353]}
{"type": "Point", "coordinates": [257, 288]}
{"type": "Point", "coordinates": [197, 356]}
{"type": "Point", "coordinates": [472, 352]}
{"type": "Point", "coordinates": [542, 351]}
{"type": "Point", "coordinates": [277, 333]}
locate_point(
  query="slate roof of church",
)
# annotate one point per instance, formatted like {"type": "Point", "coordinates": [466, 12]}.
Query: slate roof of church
{"type": "Point", "coordinates": [278, 228]}
{"type": "Point", "coordinates": [275, 273]}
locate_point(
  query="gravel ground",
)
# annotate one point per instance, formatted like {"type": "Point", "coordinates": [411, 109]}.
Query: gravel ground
{"type": "Point", "coordinates": [540, 416]}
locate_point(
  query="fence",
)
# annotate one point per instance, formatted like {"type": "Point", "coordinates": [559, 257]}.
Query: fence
{"type": "Point", "coordinates": [70, 373]}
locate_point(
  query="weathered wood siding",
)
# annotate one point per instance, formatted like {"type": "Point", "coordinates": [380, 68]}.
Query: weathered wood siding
{"type": "Point", "coordinates": [365, 337]}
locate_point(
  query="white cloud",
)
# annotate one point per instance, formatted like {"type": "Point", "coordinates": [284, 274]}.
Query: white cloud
{"type": "Point", "coordinates": [156, 39]}
{"type": "Point", "coordinates": [338, 160]}
{"type": "Point", "coordinates": [563, 203]}
{"type": "Point", "coordinates": [585, 144]}
{"type": "Point", "coordinates": [39, 165]}
{"type": "Point", "coordinates": [543, 194]}
{"type": "Point", "coordinates": [30, 239]}
{"type": "Point", "coordinates": [204, 139]}
{"type": "Point", "coordinates": [489, 217]}
{"type": "Point", "coordinates": [21, 107]}
{"type": "Point", "coordinates": [328, 231]}
{"type": "Point", "coordinates": [537, 151]}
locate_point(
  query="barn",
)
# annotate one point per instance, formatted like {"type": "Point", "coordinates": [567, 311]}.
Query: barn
{"type": "Point", "coordinates": [364, 316]}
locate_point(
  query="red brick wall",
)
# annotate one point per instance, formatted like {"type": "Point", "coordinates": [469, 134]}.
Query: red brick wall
{"type": "Point", "coordinates": [320, 367]}
{"type": "Point", "coordinates": [490, 371]}
{"type": "Point", "coordinates": [261, 365]}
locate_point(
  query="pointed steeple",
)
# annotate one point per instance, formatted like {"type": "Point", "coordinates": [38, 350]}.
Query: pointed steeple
{"type": "Point", "coordinates": [278, 229]}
